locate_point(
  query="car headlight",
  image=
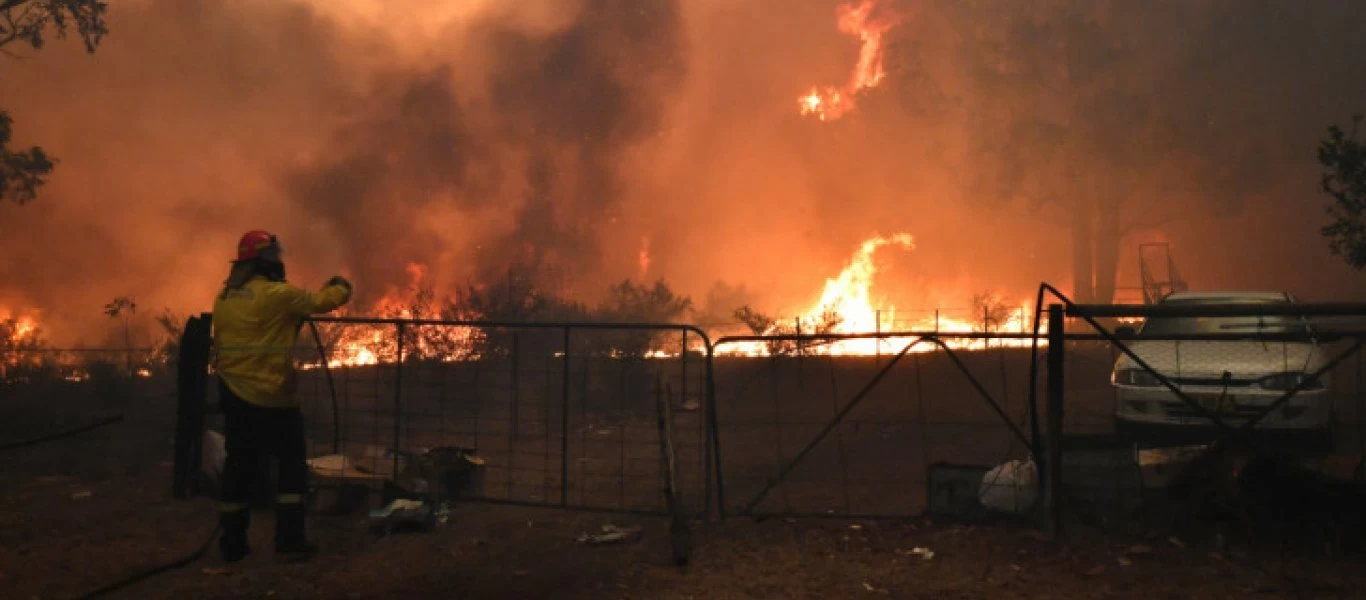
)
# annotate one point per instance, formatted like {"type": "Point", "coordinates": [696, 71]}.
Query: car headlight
{"type": "Point", "coordinates": [1284, 382]}
{"type": "Point", "coordinates": [1135, 378]}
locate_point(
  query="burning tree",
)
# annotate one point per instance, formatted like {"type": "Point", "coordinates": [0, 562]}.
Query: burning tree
{"type": "Point", "coordinates": [1343, 156]}
{"type": "Point", "coordinates": [22, 172]}
{"type": "Point", "coordinates": [1088, 115]}
{"type": "Point", "coordinates": [991, 311]}
{"type": "Point", "coordinates": [167, 351]}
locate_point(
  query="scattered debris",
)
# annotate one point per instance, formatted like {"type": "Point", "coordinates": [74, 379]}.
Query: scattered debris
{"type": "Point", "coordinates": [869, 587]}
{"type": "Point", "coordinates": [81, 495]}
{"type": "Point", "coordinates": [1010, 488]}
{"type": "Point", "coordinates": [1139, 550]}
{"type": "Point", "coordinates": [856, 527]}
{"type": "Point", "coordinates": [1175, 541]}
{"type": "Point", "coordinates": [611, 534]}
{"type": "Point", "coordinates": [690, 404]}
{"type": "Point", "coordinates": [405, 514]}
{"type": "Point", "coordinates": [217, 571]}
{"type": "Point", "coordinates": [1094, 571]}
{"type": "Point", "coordinates": [1124, 562]}
{"type": "Point", "coordinates": [331, 465]}
{"type": "Point", "coordinates": [923, 553]}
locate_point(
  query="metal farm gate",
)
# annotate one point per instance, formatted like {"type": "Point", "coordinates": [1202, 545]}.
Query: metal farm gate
{"type": "Point", "coordinates": [587, 416]}
{"type": "Point", "coordinates": [807, 433]}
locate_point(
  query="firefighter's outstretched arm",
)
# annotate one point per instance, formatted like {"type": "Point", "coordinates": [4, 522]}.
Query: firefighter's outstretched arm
{"type": "Point", "coordinates": [302, 302]}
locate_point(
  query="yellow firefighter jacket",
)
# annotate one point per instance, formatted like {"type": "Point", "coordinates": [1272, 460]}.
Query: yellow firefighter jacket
{"type": "Point", "coordinates": [254, 332]}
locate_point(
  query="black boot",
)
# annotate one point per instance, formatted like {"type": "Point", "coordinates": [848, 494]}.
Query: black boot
{"type": "Point", "coordinates": [232, 540]}
{"type": "Point", "coordinates": [289, 532]}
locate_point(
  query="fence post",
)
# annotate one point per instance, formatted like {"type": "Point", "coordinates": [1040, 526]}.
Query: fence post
{"type": "Point", "coordinates": [398, 398]}
{"type": "Point", "coordinates": [877, 341]}
{"type": "Point", "coordinates": [564, 426]}
{"type": "Point", "coordinates": [515, 384]}
{"type": "Point", "coordinates": [714, 436]}
{"type": "Point", "coordinates": [1052, 467]}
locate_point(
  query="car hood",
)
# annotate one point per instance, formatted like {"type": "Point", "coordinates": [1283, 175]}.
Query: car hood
{"type": "Point", "coordinates": [1211, 359]}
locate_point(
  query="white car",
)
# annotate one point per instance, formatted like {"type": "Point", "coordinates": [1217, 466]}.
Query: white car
{"type": "Point", "coordinates": [1235, 379]}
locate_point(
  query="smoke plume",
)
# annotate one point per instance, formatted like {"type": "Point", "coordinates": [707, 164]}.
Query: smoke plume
{"type": "Point", "coordinates": [588, 141]}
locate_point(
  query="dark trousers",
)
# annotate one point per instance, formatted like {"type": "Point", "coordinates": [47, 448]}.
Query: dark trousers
{"type": "Point", "coordinates": [252, 435]}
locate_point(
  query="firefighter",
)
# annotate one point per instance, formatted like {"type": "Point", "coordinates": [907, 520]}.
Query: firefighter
{"type": "Point", "coordinates": [256, 319]}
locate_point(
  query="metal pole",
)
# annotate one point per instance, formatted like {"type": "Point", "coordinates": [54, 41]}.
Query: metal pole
{"type": "Point", "coordinates": [714, 448]}
{"type": "Point", "coordinates": [516, 401]}
{"type": "Point", "coordinates": [564, 426]}
{"type": "Point", "coordinates": [515, 384]}
{"type": "Point", "coordinates": [1052, 468]}
{"type": "Point", "coordinates": [398, 398]}
{"type": "Point", "coordinates": [877, 328]}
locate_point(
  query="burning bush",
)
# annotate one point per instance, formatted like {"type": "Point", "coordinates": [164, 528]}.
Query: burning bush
{"type": "Point", "coordinates": [631, 302]}
{"type": "Point", "coordinates": [516, 299]}
{"type": "Point", "coordinates": [21, 343]}
{"type": "Point", "coordinates": [761, 324]}
{"type": "Point", "coordinates": [990, 311]}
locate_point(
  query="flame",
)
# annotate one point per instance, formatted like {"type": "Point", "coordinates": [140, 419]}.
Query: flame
{"type": "Point", "coordinates": [643, 259]}
{"type": "Point", "coordinates": [361, 345]}
{"type": "Point", "coordinates": [17, 333]}
{"type": "Point", "coordinates": [846, 306]}
{"type": "Point", "coordinates": [829, 102]}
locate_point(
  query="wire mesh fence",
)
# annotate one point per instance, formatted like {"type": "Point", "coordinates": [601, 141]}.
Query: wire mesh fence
{"type": "Point", "coordinates": [560, 416]}
{"type": "Point", "coordinates": [1175, 409]}
{"type": "Point", "coordinates": [853, 435]}
{"type": "Point", "coordinates": [43, 387]}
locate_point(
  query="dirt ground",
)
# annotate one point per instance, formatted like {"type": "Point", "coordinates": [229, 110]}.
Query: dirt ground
{"type": "Point", "coordinates": [78, 513]}
{"type": "Point", "coordinates": [82, 512]}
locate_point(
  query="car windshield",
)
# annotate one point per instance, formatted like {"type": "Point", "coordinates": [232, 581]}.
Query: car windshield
{"type": "Point", "coordinates": [1222, 325]}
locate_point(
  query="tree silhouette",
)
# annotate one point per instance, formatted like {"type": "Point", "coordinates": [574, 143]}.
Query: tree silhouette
{"type": "Point", "coordinates": [1343, 156]}
{"type": "Point", "coordinates": [22, 172]}
{"type": "Point", "coordinates": [1104, 124]}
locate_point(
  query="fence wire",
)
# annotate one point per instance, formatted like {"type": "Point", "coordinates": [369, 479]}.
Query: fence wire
{"type": "Point", "coordinates": [862, 436]}
{"type": "Point", "coordinates": [573, 426]}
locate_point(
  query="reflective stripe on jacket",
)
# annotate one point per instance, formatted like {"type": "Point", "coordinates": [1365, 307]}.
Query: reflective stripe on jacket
{"type": "Point", "coordinates": [254, 329]}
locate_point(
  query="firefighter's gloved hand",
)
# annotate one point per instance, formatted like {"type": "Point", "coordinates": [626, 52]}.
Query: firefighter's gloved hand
{"type": "Point", "coordinates": [341, 281]}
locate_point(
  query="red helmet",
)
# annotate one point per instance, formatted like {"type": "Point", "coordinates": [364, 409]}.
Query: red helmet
{"type": "Point", "coordinates": [258, 244]}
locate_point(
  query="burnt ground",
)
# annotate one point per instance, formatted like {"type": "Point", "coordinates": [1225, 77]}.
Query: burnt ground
{"type": "Point", "coordinates": [78, 513]}
{"type": "Point", "coordinates": [57, 545]}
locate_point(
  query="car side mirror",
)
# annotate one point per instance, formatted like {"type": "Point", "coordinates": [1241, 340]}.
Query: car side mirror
{"type": "Point", "coordinates": [1125, 332]}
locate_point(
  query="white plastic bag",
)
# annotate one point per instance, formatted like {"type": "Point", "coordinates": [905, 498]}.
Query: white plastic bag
{"type": "Point", "coordinates": [1010, 488]}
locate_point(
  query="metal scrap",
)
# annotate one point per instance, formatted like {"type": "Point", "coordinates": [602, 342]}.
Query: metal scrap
{"type": "Point", "coordinates": [611, 534]}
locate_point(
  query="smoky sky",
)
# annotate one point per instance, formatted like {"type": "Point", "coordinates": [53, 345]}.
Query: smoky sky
{"type": "Point", "coordinates": [537, 143]}
{"type": "Point", "coordinates": [567, 137]}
